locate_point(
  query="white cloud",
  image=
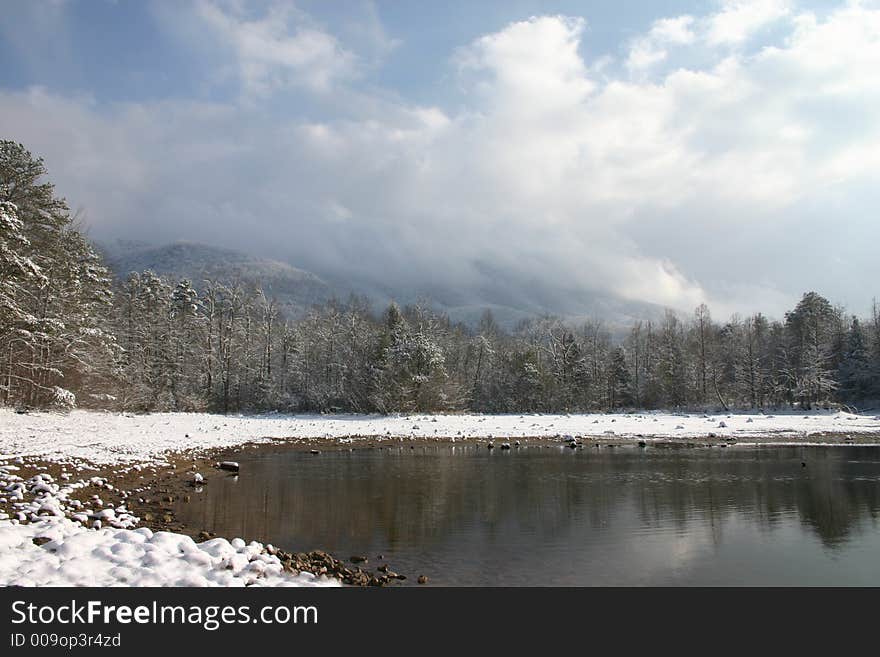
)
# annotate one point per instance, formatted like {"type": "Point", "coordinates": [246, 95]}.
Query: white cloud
{"type": "Point", "coordinates": [738, 20]}
{"type": "Point", "coordinates": [703, 183]}
{"type": "Point", "coordinates": [652, 48]}
{"type": "Point", "coordinates": [674, 30]}
{"type": "Point", "coordinates": [533, 65]}
{"type": "Point", "coordinates": [280, 48]}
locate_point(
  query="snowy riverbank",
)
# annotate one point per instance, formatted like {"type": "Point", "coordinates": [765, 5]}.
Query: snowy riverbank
{"type": "Point", "coordinates": [56, 539]}
{"type": "Point", "coordinates": [61, 552]}
{"type": "Point", "coordinates": [114, 438]}
{"type": "Point", "coordinates": [75, 528]}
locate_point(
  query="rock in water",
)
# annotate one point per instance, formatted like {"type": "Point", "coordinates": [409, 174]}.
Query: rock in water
{"type": "Point", "coordinates": [232, 466]}
{"type": "Point", "coordinates": [422, 579]}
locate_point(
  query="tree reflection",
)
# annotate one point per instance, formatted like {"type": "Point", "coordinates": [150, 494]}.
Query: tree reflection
{"type": "Point", "coordinates": [428, 497]}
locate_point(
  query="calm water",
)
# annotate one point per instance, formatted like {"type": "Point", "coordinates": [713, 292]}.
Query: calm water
{"type": "Point", "coordinates": [553, 516]}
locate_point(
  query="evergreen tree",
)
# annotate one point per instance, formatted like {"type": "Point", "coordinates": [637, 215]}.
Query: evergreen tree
{"type": "Point", "coordinates": [54, 294]}
{"type": "Point", "coordinates": [619, 391]}
{"type": "Point", "coordinates": [810, 328]}
{"type": "Point", "coordinates": [856, 375]}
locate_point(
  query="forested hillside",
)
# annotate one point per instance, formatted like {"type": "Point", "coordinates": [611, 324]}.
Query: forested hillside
{"type": "Point", "coordinates": [71, 335]}
{"type": "Point", "coordinates": [294, 289]}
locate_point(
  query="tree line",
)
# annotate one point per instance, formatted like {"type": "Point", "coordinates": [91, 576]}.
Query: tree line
{"type": "Point", "coordinates": [72, 334]}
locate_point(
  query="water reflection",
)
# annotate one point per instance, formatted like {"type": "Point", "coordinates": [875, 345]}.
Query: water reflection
{"type": "Point", "coordinates": [465, 515]}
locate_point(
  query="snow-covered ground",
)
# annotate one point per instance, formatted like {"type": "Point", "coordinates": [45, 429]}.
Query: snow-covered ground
{"type": "Point", "coordinates": [113, 438]}
{"type": "Point", "coordinates": [55, 539]}
{"type": "Point", "coordinates": [68, 554]}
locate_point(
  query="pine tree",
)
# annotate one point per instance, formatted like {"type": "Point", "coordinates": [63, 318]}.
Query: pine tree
{"type": "Point", "coordinates": [619, 391]}
{"type": "Point", "coordinates": [54, 295]}
{"type": "Point", "coordinates": [18, 274]}
{"type": "Point", "coordinates": [810, 328]}
{"type": "Point", "coordinates": [856, 376]}
{"type": "Point", "coordinates": [671, 364]}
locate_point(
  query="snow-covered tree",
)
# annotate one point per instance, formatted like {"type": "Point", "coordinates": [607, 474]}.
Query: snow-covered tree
{"type": "Point", "coordinates": [54, 294]}
{"type": "Point", "coordinates": [810, 328]}
{"type": "Point", "coordinates": [856, 371]}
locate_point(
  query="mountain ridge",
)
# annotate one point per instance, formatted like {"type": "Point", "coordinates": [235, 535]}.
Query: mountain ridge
{"type": "Point", "coordinates": [296, 290]}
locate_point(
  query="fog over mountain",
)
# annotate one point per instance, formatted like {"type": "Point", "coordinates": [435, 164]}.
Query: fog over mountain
{"type": "Point", "coordinates": [510, 299]}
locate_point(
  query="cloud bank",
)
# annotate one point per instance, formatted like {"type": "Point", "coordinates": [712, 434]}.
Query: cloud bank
{"type": "Point", "coordinates": [730, 158]}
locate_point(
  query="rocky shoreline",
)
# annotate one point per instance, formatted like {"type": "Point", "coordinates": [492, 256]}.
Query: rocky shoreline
{"type": "Point", "coordinates": [319, 562]}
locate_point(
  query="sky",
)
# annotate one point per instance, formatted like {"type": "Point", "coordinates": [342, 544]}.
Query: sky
{"type": "Point", "coordinates": [674, 152]}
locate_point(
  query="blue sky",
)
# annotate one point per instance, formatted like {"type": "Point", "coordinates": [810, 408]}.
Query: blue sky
{"type": "Point", "coordinates": [672, 151]}
{"type": "Point", "coordinates": [126, 50]}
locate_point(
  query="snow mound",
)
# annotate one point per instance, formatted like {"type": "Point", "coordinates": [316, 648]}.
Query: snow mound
{"type": "Point", "coordinates": [59, 552]}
